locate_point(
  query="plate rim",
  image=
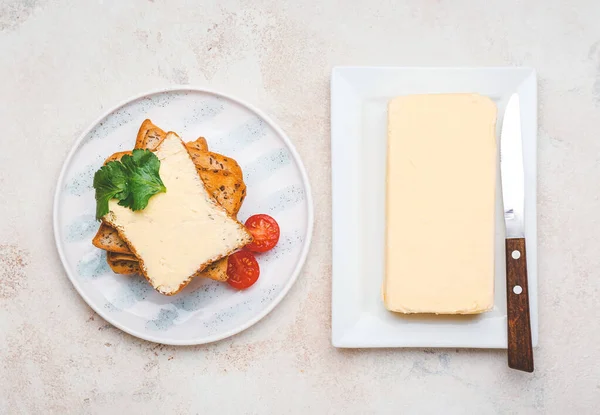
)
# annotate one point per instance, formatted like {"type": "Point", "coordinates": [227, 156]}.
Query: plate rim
{"type": "Point", "coordinates": [342, 333]}
{"type": "Point", "coordinates": [300, 261]}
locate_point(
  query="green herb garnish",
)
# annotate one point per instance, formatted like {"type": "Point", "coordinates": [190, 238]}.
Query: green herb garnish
{"type": "Point", "coordinates": [132, 181]}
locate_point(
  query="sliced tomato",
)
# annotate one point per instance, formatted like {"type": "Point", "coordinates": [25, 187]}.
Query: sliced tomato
{"type": "Point", "coordinates": [242, 270]}
{"type": "Point", "coordinates": [265, 231]}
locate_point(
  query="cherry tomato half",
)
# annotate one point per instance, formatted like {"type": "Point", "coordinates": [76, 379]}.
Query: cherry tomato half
{"type": "Point", "coordinates": [265, 231]}
{"type": "Point", "coordinates": [242, 270]}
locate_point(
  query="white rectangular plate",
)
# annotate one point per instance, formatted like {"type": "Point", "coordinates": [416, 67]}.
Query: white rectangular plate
{"type": "Point", "coordinates": [359, 97]}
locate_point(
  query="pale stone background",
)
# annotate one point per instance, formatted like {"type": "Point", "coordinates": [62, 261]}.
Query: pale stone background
{"type": "Point", "coordinates": [64, 62]}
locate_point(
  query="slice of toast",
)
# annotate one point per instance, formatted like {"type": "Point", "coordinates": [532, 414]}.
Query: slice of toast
{"type": "Point", "coordinates": [107, 238]}
{"type": "Point", "coordinates": [122, 263]}
{"type": "Point", "coordinates": [123, 267]}
{"type": "Point", "coordinates": [149, 135]}
{"type": "Point", "coordinates": [229, 192]}
{"type": "Point", "coordinates": [215, 162]}
{"type": "Point", "coordinates": [181, 231]}
{"type": "Point", "coordinates": [116, 256]}
{"type": "Point", "coordinates": [200, 144]}
{"type": "Point", "coordinates": [227, 189]}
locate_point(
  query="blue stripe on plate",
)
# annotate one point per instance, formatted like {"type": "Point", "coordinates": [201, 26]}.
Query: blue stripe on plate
{"type": "Point", "coordinates": [82, 228]}
{"type": "Point", "coordinates": [93, 265]}
{"type": "Point", "coordinates": [242, 136]}
{"type": "Point", "coordinates": [265, 165]}
{"type": "Point", "coordinates": [164, 320]}
{"type": "Point", "coordinates": [135, 289]}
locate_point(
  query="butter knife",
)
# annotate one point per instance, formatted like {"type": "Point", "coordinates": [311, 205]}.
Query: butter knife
{"type": "Point", "coordinates": [520, 350]}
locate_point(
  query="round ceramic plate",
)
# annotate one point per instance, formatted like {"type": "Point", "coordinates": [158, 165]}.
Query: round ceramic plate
{"type": "Point", "coordinates": [205, 310]}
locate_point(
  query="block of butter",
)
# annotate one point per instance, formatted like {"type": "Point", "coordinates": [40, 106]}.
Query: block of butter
{"type": "Point", "coordinates": [440, 204]}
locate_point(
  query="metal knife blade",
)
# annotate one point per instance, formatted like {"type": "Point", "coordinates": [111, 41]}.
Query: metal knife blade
{"type": "Point", "coordinates": [520, 350]}
{"type": "Point", "coordinates": [511, 169]}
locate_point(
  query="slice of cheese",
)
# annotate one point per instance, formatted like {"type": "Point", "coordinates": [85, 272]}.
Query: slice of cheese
{"type": "Point", "coordinates": [441, 176]}
{"type": "Point", "coordinates": [180, 231]}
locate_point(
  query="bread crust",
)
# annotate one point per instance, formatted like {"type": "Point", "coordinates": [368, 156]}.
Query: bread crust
{"type": "Point", "coordinates": [115, 256]}
{"type": "Point", "coordinates": [123, 267]}
{"type": "Point", "coordinates": [149, 136]}
{"type": "Point", "coordinates": [107, 238]}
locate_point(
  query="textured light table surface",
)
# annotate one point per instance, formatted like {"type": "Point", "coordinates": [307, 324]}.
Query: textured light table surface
{"type": "Point", "coordinates": [63, 63]}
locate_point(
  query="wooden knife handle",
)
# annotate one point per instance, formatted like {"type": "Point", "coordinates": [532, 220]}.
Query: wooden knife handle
{"type": "Point", "coordinates": [520, 350]}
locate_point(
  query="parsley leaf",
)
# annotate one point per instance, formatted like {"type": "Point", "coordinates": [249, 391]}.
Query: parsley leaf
{"type": "Point", "coordinates": [144, 181]}
{"type": "Point", "coordinates": [110, 182]}
{"type": "Point", "coordinates": [132, 181]}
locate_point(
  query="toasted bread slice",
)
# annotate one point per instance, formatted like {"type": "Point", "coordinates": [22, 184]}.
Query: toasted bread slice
{"type": "Point", "coordinates": [215, 162]}
{"type": "Point", "coordinates": [149, 135]}
{"type": "Point", "coordinates": [116, 256]}
{"type": "Point", "coordinates": [181, 231]}
{"type": "Point", "coordinates": [123, 267]}
{"type": "Point", "coordinates": [107, 238]}
{"type": "Point", "coordinates": [200, 144]}
{"type": "Point", "coordinates": [228, 192]}
{"type": "Point", "coordinates": [227, 189]}
{"type": "Point", "coordinates": [122, 263]}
